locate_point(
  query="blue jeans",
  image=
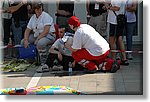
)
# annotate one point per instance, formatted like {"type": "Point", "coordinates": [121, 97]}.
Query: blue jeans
{"type": "Point", "coordinates": [129, 33]}
{"type": "Point", "coordinates": [18, 32]}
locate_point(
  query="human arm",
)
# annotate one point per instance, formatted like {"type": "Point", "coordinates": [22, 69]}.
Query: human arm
{"type": "Point", "coordinates": [109, 6]}
{"type": "Point", "coordinates": [62, 12]}
{"type": "Point", "coordinates": [2, 11]}
{"type": "Point", "coordinates": [114, 8]}
{"type": "Point", "coordinates": [12, 9]}
{"type": "Point", "coordinates": [70, 48]}
{"type": "Point", "coordinates": [132, 8]}
{"type": "Point", "coordinates": [54, 50]}
{"type": "Point", "coordinates": [26, 36]}
{"type": "Point", "coordinates": [57, 4]}
{"type": "Point", "coordinates": [76, 42]}
{"type": "Point", "coordinates": [87, 7]}
{"type": "Point", "coordinates": [42, 34]}
{"type": "Point", "coordinates": [45, 32]}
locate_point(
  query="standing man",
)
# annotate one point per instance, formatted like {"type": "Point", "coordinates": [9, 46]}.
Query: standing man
{"type": "Point", "coordinates": [89, 47]}
{"type": "Point", "coordinates": [65, 10]}
{"type": "Point", "coordinates": [7, 20]}
{"type": "Point", "coordinates": [19, 19]}
{"type": "Point", "coordinates": [131, 24]}
{"type": "Point", "coordinates": [115, 31]}
{"type": "Point", "coordinates": [98, 15]}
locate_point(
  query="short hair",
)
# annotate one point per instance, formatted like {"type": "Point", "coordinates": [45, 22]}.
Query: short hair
{"type": "Point", "coordinates": [62, 26]}
{"type": "Point", "coordinates": [37, 5]}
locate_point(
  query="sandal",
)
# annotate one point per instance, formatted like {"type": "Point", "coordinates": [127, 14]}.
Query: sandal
{"type": "Point", "coordinates": [43, 68]}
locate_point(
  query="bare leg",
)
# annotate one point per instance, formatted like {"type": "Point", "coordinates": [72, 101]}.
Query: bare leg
{"type": "Point", "coordinates": [122, 47]}
{"type": "Point", "coordinates": [112, 43]}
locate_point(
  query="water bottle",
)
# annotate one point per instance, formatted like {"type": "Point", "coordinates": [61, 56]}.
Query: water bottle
{"type": "Point", "coordinates": [70, 68]}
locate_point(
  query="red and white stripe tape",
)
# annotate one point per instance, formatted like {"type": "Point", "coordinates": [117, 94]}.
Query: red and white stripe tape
{"type": "Point", "coordinates": [116, 51]}
{"type": "Point", "coordinates": [9, 46]}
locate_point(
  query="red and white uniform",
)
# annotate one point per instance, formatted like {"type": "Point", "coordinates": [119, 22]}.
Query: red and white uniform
{"type": "Point", "coordinates": [92, 47]}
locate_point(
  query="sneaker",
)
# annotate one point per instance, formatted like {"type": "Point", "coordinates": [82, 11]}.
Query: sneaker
{"type": "Point", "coordinates": [43, 68]}
{"type": "Point", "coordinates": [57, 68]}
{"type": "Point", "coordinates": [129, 56]}
{"type": "Point", "coordinates": [124, 62]}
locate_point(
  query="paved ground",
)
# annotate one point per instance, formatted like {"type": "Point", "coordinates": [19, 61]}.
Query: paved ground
{"type": "Point", "coordinates": [127, 80]}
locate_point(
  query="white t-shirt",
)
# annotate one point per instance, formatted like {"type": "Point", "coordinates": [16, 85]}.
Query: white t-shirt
{"type": "Point", "coordinates": [111, 16]}
{"type": "Point", "coordinates": [37, 24]}
{"type": "Point", "coordinates": [87, 37]}
{"type": "Point", "coordinates": [59, 44]}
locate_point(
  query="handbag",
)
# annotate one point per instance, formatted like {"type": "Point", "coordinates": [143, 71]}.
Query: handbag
{"type": "Point", "coordinates": [29, 52]}
{"type": "Point", "coordinates": [121, 19]}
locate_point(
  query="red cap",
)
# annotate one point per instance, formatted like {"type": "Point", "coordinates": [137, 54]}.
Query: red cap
{"type": "Point", "coordinates": [74, 21]}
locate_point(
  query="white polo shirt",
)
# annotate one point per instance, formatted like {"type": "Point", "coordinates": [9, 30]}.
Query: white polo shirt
{"type": "Point", "coordinates": [87, 37]}
{"type": "Point", "coordinates": [37, 24]}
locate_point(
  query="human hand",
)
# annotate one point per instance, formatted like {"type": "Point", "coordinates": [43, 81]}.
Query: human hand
{"type": "Point", "coordinates": [8, 10]}
{"type": "Point", "coordinates": [36, 41]}
{"type": "Point", "coordinates": [60, 56]}
{"type": "Point", "coordinates": [26, 43]}
{"type": "Point", "coordinates": [67, 45]}
{"type": "Point", "coordinates": [104, 8]}
{"type": "Point", "coordinates": [128, 8]}
{"type": "Point", "coordinates": [73, 63]}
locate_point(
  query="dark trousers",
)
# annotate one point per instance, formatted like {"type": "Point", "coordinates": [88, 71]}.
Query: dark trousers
{"type": "Point", "coordinates": [65, 61]}
{"type": "Point", "coordinates": [7, 29]}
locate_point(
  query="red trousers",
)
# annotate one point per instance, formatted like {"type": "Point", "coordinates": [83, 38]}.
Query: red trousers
{"type": "Point", "coordinates": [84, 58]}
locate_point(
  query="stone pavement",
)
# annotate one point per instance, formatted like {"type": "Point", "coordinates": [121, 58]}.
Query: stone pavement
{"type": "Point", "coordinates": [127, 80]}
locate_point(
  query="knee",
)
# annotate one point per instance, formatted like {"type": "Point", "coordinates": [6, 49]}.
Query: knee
{"type": "Point", "coordinates": [41, 44]}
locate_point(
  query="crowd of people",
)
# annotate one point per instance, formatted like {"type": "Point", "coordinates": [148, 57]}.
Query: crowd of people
{"type": "Point", "coordinates": [84, 45]}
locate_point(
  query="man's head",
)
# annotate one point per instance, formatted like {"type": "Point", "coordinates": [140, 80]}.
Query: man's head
{"type": "Point", "coordinates": [74, 22]}
{"type": "Point", "coordinates": [61, 31]}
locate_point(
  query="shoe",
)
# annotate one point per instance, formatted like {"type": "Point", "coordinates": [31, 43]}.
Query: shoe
{"type": "Point", "coordinates": [129, 56]}
{"type": "Point", "coordinates": [124, 62]}
{"type": "Point", "coordinates": [57, 68]}
{"type": "Point", "coordinates": [115, 67]}
{"type": "Point", "coordinates": [43, 68]}
{"type": "Point", "coordinates": [86, 71]}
